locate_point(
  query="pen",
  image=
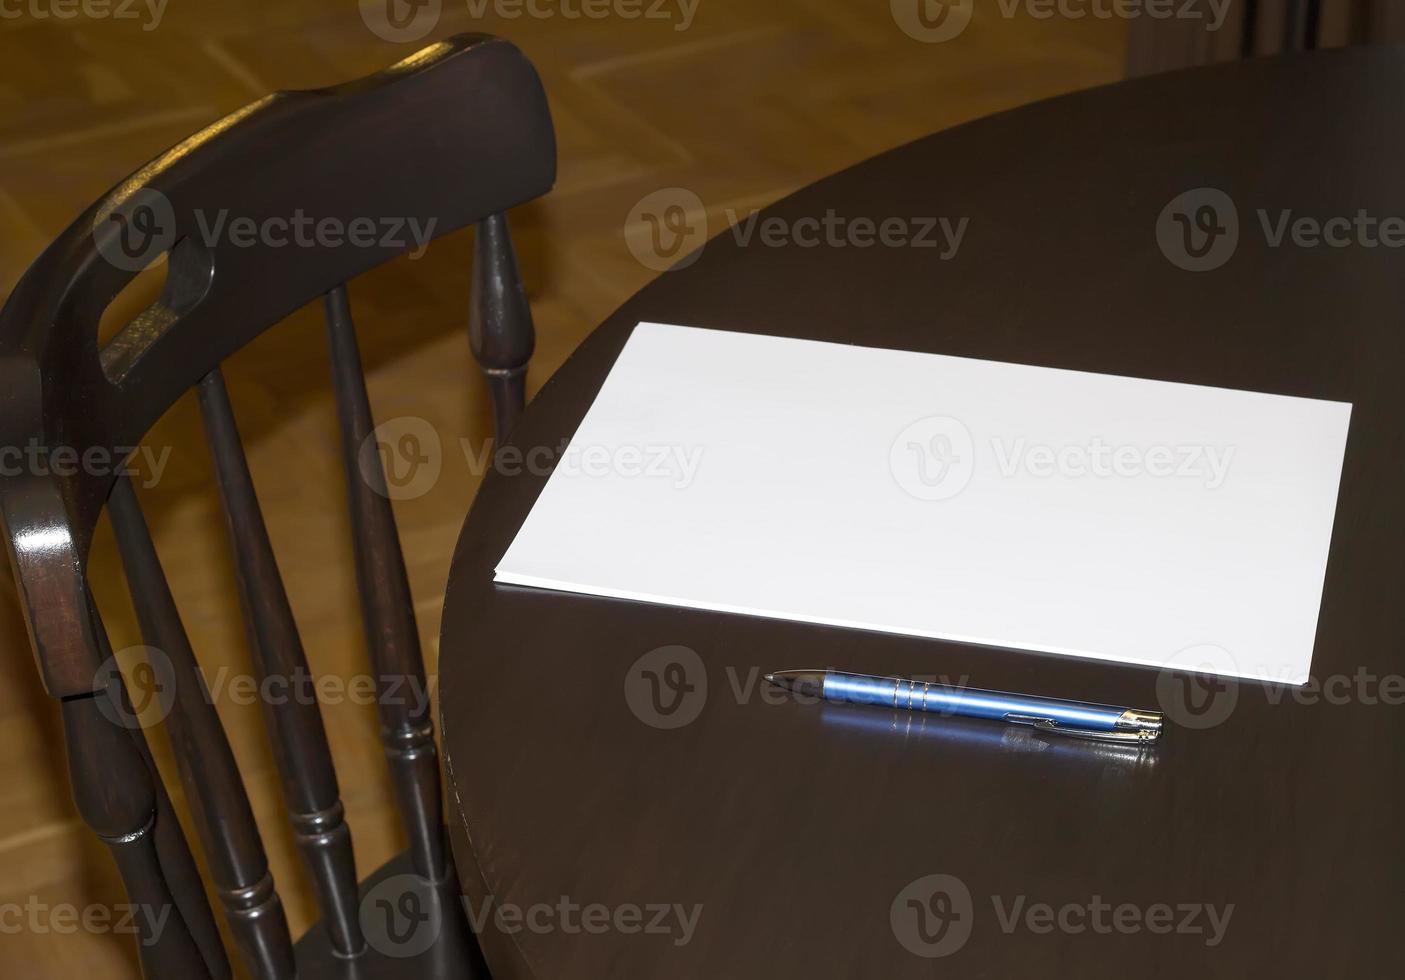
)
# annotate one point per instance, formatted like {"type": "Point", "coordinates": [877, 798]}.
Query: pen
{"type": "Point", "coordinates": [1078, 719]}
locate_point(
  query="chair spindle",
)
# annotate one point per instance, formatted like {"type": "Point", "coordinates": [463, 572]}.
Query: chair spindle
{"type": "Point", "coordinates": [117, 797]}
{"type": "Point", "coordinates": [224, 819]}
{"type": "Point", "coordinates": [392, 638]}
{"type": "Point", "coordinates": [500, 322]}
{"type": "Point", "coordinates": [172, 849]}
{"type": "Point", "coordinates": [295, 723]}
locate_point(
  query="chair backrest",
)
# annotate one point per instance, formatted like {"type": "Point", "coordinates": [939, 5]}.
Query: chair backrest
{"type": "Point", "coordinates": [453, 135]}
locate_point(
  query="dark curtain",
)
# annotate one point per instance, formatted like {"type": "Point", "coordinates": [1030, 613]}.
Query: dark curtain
{"type": "Point", "coordinates": [1258, 27]}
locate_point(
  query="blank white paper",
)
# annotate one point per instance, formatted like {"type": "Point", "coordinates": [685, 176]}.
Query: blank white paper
{"type": "Point", "coordinates": [1136, 521]}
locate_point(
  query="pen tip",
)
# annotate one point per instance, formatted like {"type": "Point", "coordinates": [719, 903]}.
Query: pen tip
{"type": "Point", "coordinates": [809, 682]}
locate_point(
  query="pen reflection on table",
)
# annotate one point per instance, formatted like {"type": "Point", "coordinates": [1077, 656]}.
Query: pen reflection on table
{"type": "Point", "coordinates": [976, 735]}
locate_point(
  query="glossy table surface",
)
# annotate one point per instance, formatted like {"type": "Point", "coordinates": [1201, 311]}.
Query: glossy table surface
{"type": "Point", "coordinates": [650, 811]}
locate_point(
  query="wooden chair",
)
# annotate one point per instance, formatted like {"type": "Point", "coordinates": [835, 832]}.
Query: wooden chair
{"type": "Point", "coordinates": [457, 133]}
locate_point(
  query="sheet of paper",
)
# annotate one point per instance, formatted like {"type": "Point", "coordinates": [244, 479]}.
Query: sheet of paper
{"type": "Point", "coordinates": [1117, 518]}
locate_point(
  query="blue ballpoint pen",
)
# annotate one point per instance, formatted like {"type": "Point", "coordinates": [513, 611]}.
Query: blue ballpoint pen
{"type": "Point", "coordinates": [1078, 719]}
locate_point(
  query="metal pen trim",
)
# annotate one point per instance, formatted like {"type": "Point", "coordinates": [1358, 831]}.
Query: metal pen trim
{"type": "Point", "coordinates": [1137, 736]}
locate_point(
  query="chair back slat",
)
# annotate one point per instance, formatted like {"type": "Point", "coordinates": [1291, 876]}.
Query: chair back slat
{"type": "Point", "coordinates": [178, 868]}
{"type": "Point", "coordinates": [500, 322]}
{"type": "Point", "coordinates": [117, 797]}
{"type": "Point", "coordinates": [392, 639]}
{"type": "Point", "coordinates": [220, 804]}
{"type": "Point", "coordinates": [295, 722]}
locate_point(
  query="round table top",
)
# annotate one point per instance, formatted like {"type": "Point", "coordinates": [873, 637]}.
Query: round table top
{"type": "Point", "coordinates": [765, 838]}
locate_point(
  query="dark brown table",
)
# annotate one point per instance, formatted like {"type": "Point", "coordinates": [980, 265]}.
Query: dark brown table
{"type": "Point", "coordinates": [807, 834]}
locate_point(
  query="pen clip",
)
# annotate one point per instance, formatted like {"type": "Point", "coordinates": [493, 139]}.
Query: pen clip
{"type": "Point", "coordinates": [1140, 736]}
